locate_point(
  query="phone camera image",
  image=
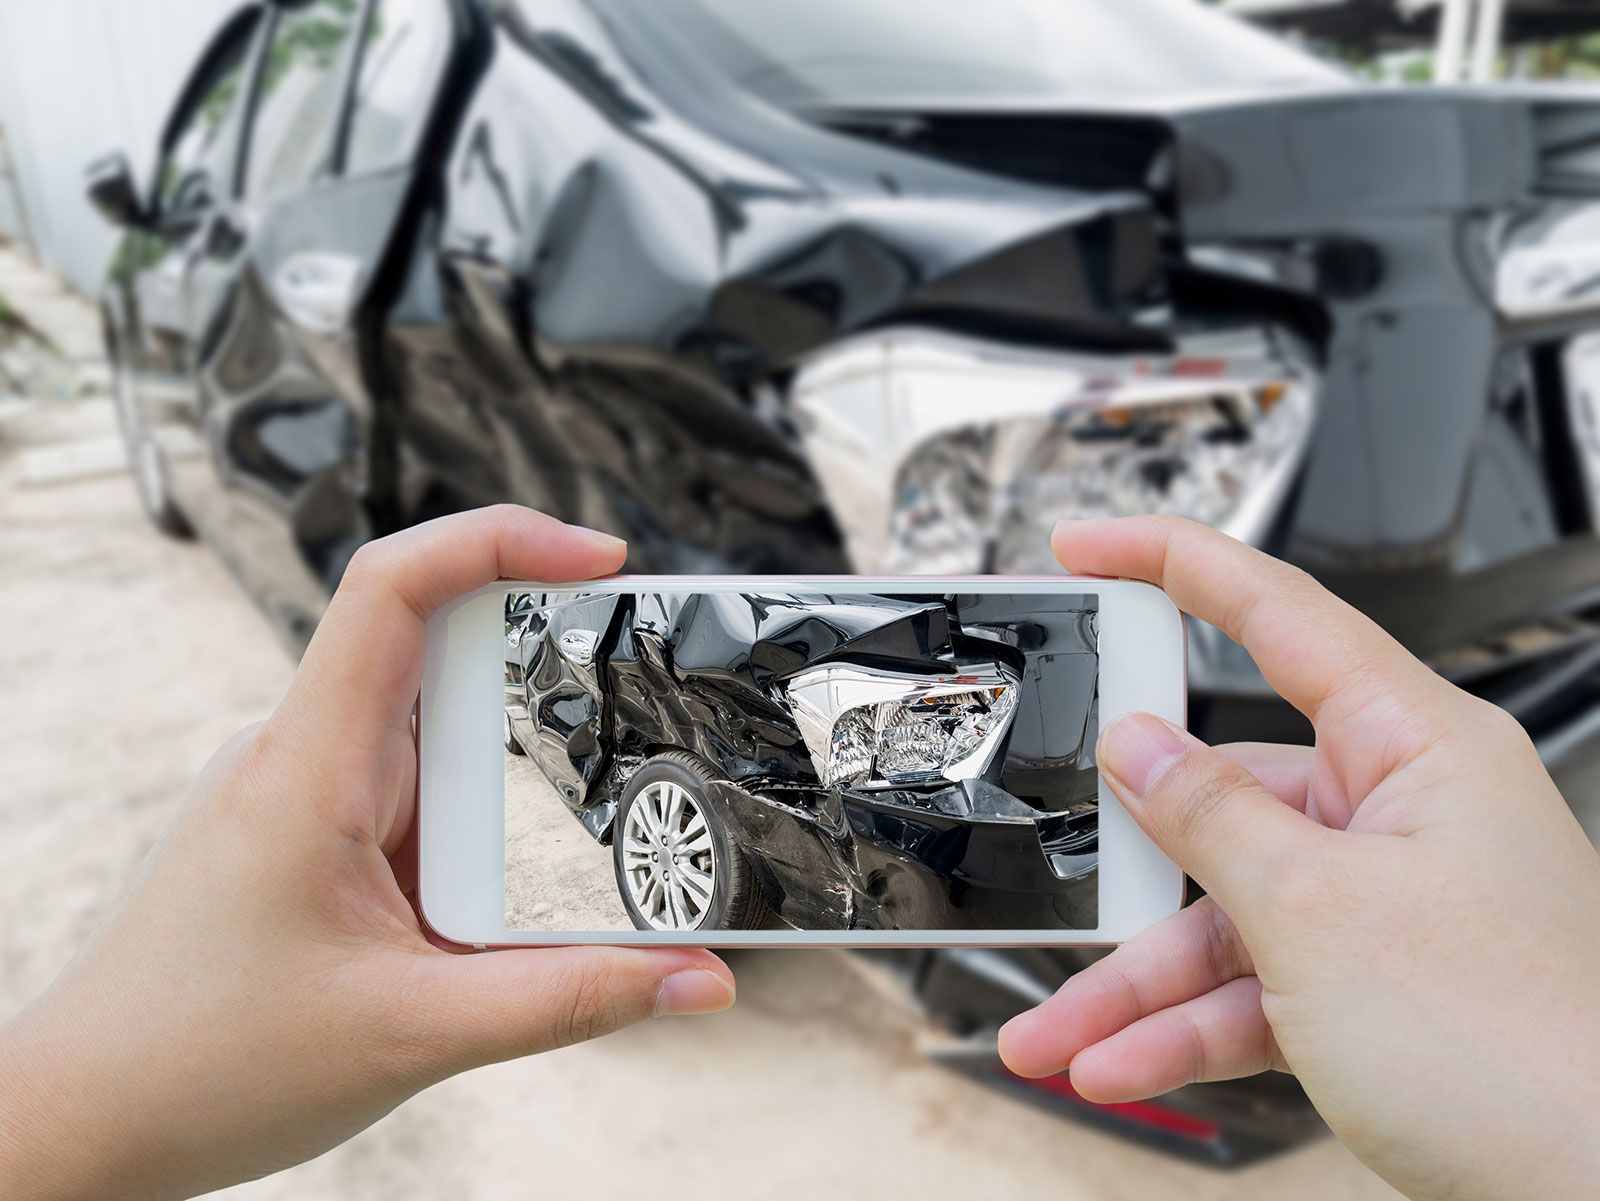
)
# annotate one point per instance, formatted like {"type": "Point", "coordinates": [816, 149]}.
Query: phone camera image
{"type": "Point", "coordinates": [698, 761]}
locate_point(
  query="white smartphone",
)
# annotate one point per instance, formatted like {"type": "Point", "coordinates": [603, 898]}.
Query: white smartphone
{"type": "Point", "coordinates": [778, 761]}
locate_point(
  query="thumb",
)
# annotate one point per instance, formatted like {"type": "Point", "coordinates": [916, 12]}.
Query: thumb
{"type": "Point", "coordinates": [1211, 816]}
{"type": "Point", "coordinates": [505, 1004]}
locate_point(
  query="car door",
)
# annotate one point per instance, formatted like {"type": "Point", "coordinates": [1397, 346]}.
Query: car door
{"type": "Point", "coordinates": [566, 701]}
{"type": "Point", "coordinates": [288, 279]}
{"type": "Point", "coordinates": [195, 173]}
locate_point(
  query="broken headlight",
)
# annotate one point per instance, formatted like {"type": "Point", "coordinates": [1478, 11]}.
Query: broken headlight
{"type": "Point", "coordinates": [950, 456]}
{"type": "Point", "coordinates": [879, 729]}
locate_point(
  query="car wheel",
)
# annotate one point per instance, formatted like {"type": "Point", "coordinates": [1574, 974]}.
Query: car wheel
{"type": "Point", "coordinates": [512, 743]}
{"type": "Point", "coordinates": [677, 868]}
{"type": "Point", "coordinates": [148, 468]}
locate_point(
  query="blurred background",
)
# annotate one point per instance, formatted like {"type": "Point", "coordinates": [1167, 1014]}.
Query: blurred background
{"type": "Point", "coordinates": [868, 286]}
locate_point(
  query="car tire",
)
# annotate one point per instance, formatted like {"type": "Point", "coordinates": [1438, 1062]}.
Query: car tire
{"type": "Point", "coordinates": [145, 463]}
{"type": "Point", "coordinates": [513, 744]}
{"type": "Point", "coordinates": [735, 901]}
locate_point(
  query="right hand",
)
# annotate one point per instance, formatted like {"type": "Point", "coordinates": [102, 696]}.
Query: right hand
{"type": "Point", "coordinates": [1406, 916]}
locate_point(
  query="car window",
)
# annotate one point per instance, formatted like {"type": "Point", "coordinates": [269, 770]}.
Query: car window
{"type": "Point", "coordinates": [299, 100]}
{"type": "Point", "coordinates": [405, 50]}
{"type": "Point", "coordinates": [806, 53]}
{"type": "Point", "coordinates": [197, 169]}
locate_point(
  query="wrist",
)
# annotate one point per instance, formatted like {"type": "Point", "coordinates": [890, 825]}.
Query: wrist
{"type": "Point", "coordinates": [57, 1137]}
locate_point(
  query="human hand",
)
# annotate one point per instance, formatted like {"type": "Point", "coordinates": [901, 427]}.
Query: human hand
{"type": "Point", "coordinates": [1405, 916]}
{"type": "Point", "coordinates": [265, 989]}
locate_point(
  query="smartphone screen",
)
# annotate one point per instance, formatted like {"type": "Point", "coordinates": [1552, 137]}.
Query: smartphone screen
{"type": "Point", "coordinates": [775, 760]}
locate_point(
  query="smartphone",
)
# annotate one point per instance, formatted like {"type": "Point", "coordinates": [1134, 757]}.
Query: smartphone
{"type": "Point", "coordinates": [782, 761]}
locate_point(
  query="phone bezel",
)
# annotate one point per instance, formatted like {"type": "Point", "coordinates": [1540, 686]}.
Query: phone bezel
{"type": "Point", "coordinates": [461, 763]}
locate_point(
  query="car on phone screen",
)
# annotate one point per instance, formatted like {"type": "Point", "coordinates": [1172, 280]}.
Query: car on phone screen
{"type": "Point", "coordinates": [857, 762]}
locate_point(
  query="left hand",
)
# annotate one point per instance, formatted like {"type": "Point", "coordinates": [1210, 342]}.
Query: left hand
{"type": "Point", "coordinates": [1402, 915]}
{"type": "Point", "coordinates": [266, 989]}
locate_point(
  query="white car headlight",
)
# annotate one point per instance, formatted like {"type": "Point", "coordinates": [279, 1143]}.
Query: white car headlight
{"type": "Point", "coordinates": [1549, 265]}
{"type": "Point", "coordinates": [879, 729]}
{"type": "Point", "coordinates": [948, 456]}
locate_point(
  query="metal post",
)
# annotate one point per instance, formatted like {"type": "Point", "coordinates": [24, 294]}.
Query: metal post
{"type": "Point", "coordinates": [1486, 50]}
{"type": "Point", "coordinates": [1454, 18]}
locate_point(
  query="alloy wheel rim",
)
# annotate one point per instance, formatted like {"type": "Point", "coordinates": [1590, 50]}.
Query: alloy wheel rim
{"type": "Point", "coordinates": [669, 862]}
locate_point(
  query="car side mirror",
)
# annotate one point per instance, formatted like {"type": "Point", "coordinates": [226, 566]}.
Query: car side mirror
{"type": "Point", "coordinates": [112, 191]}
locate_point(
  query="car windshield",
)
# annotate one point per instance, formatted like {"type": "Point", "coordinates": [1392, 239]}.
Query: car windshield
{"type": "Point", "coordinates": [839, 53]}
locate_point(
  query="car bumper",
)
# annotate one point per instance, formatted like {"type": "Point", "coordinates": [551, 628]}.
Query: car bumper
{"type": "Point", "coordinates": [902, 860]}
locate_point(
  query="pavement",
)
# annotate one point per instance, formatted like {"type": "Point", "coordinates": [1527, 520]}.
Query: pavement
{"type": "Point", "coordinates": [558, 878]}
{"type": "Point", "coordinates": [128, 657]}
{"type": "Point", "coordinates": [51, 308]}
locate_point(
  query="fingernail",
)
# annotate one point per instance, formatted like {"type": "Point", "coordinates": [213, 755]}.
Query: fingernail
{"type": "Point", "coordinates": [601, 537]}
{"type": "Point", "coordinates": [1056, 531]}
{"type": "Point", "coordinates": [693, 991]}
{"type": "Point", "coordinates": [1138, 748]}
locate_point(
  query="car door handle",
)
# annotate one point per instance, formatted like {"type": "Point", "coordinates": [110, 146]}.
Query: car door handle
{"type": "Point", "coordinates": [318, 290]}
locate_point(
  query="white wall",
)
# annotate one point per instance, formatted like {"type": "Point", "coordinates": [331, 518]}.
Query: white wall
{"type": "Point", "coordinates": [79, 78]}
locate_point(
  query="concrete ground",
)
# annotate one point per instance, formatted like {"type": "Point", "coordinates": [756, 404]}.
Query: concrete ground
{"type": "Point", "coordinates": [557, 876]}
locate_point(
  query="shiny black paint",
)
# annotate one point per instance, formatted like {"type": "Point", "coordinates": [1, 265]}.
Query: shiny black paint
{"type": "Point", "coordinates": [704, 672]}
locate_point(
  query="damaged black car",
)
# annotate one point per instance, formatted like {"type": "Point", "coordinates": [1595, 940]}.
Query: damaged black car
{"type": "Point", "coordinates": [809, 287]}
{"type": "Point", "coordinates": [826, 762]}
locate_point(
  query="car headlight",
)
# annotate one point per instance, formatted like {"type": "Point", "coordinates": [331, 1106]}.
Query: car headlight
{"type": "Point", "coordinates": [949, 456]}
{"type": "Point", "coordinates": [1547, 281]}
{"type": "Point", "coordinates": [1581, 364]}
{"type": "Point", "coordinates": [879, 729]}
{"type": "Point", "coordinates": [1549, 264]}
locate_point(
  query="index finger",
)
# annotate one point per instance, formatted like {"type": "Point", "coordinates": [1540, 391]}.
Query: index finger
{"type": "Point", "coordinates": [1308, 643]}
{"type": "Point", "coordinates": [363, 669]}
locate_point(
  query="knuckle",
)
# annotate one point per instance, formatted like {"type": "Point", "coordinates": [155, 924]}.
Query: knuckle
{"type": "Point", "coordinates": [250, 733]}
{"type": "Point", "coordinates": [250, 745]}
{"type": "Point", "coordinates": [1497, 729]}
{"type": "Point", "coordinates": [366, 564]}
{"type": "Point", "coordinates": [1119, 982]}
{"type": "Point", "coordinates": [1172, 526]}
{"type": "Point", "coordinates": [1195, 1040]}
{"type": "Point", "coordinates": [504, 512]}
{"type": "Point", "coordinates": [1223, 953]}
{"type": "Point", "coordinates": [1192, 797]}
{"type": "Point", "coordinates": [589, 1007]}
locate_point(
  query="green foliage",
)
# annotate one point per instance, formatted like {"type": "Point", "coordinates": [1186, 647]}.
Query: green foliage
{"type": "Point", "coordinates": [137, 253]}
{"type": "Point", "coordinates": [1392, 67]}
{"type": "Point", "coordinates": [1565, 58]}
{"type": "Point", "coordinates": [1576, 58]}
{"type": "Point", "coordinates": [220, 100]}
{"type": "Point", "coordinates": [311, 37]}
